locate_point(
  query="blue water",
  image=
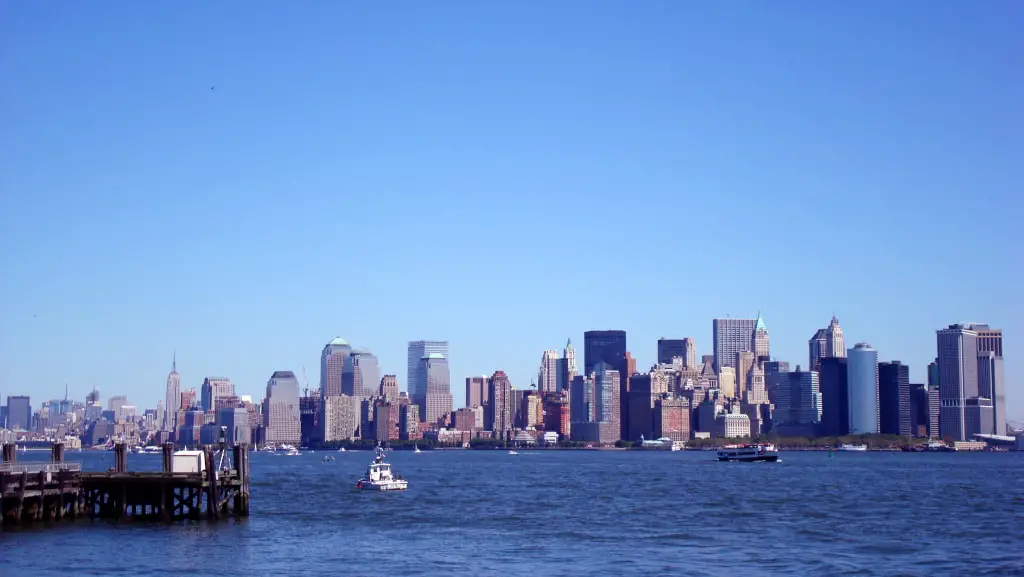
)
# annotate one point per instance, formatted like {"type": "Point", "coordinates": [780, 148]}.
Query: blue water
{"type": "Point", "coordinates": [573, 513]}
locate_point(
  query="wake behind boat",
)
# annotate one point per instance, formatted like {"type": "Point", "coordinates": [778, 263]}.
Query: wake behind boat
{"type": "Point", "coordinates": [749, 452]}
{"type": "Point", "coordinates": [379, 476]}
{"type": "Point", "coordinates": [857, 448]}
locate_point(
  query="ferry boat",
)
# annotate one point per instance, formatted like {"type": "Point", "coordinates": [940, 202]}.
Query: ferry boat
{"type": "Point", "coordinates": [749, 452]}
{"type": "Point", "coordinates": [857, 448]}
{"type": "Point", "coordinates": [379, 476]}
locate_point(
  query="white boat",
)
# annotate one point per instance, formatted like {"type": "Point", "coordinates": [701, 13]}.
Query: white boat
{"type": "Point", "coordinates": [268, 449]}
{"type": "Point", "coordinates": [416, 449]}
{"type": "Point", "coordinates": [857, 448]}
{"type": "Point", "coordinates": [379, 476]}
{"type": "Point", "coordinates": [286, 447]}
{"type": "Point", "coordinates": [512, 452]}
{"type": "Point", "coordinates": [293, 452]}
{"type": "Point", "coordinates": [749, 452]}
{"type": "Point", "coordinates": [341, 450]}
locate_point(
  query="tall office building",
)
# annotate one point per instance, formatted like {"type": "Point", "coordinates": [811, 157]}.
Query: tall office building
{"type": "Point", "coordinates": [501, 410]}
{"type": "Point", "coordinates": [609, 347]}
{"type": "Point", "coordinates": [760, 344]}
{"type": "Point", "coordinates": [798, 401]}
{"type": "Point", "coordinates": [215, 388]}
{"type": "Point", "coordinates": [566, 367]}
{"type": "Point", "coordinates": [862, 386]}
{"type": "Point", "coordinates": [958, 379]}
{"type": "Point", "coordinates": [332, 366]}
{"type": "Point", "coordinates": [835, 401]}
{"type": "Point", "coordinates": [478, 391]}
{"type": "Point", "coordinates": [19, 413]}
{"type": "Point", "coordinates": [281, 420]}
{"type": "Point", "coordinates": [731, 336]}
{"type": "Point", "coordinates": [826, 343]}
{"type": "Point", "coordinates": [690, 356]}
{"type": "Point", "coordinates": [990, 373]}
{"type": "Point", "coordinates": [172, 396]}
{"type": "Point", "coordinates": [669, 349]}
{"type": "Point", "coordinates": [416, 380]}
{"type": "Point", "coordinates": [991, 386]}
{"type": "Point", "coordinates": [360, 374]}
{"type": "Point", "coordinates": [547, 377]}
{"type": "Point", "coordinates": [894, 412]}
{"type": "Point", "coordinates": [389, 388]}
{"type": "Point", "coordinates": [436, 400]}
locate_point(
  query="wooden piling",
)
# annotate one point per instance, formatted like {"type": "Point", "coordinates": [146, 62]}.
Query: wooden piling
{"type": "Point", "coordinates": [168, 454]}
{"type": "Point", "coordinates": [57, 453]}
{"type": "Point", "coordinates": [120, 458]}
{"type": "Point", "coordinates": [10, 453]}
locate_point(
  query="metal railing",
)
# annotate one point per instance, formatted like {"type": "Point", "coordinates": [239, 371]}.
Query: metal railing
{"type": "Point", "coordinates": [18, 468]}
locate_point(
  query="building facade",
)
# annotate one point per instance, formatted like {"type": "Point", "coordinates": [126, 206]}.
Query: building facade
{"type": "Point", "coordinates": [862, 385]}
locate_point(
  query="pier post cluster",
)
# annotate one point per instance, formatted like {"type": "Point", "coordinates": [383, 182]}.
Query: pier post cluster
{"type": "Point", "coordinates": [34, 492]}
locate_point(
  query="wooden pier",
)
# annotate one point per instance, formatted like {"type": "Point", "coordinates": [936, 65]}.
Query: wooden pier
{"type": "Point", "coordinates": [57, 490]}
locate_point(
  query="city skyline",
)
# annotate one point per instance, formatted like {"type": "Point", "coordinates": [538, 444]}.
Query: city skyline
{"type": "Point", "coordinates": [357, 174]}
{"type": "Point", "coordinates": [917, 373]}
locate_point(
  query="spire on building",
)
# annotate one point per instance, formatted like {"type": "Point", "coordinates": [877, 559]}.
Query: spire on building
{"type": "Point", "coordinates": [174, 361]}
{"type": "Point", "coordinates": [759, 326]}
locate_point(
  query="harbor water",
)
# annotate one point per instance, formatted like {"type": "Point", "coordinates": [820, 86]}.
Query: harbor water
{"type": "Point", "coordinates": [571, 513]}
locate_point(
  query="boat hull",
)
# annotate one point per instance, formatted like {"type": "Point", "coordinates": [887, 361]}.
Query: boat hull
{"type": "Point", "coordinates": [751, 458]}
{"type": "Point", "coordinates": [381, 487]}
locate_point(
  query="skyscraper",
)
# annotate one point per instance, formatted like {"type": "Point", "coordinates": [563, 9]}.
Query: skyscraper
{"type": "Point", "coordinates": [215, 388]}
{"type": "Point", "coordinates": [862, 386]}
{"type": "Point", "coordinates": [566, 366]}
{"type": "Point", "coordinates": [360, 374]}
{"type": "Point", "coordinates": [332, 366]}
{"type": "Point", "coordinates": [835, 401]}
{"type": "Point", "coordinates": [826, 343]}
{"type": "Point", "coordinates": [281, 419]}
{"type": "Point", "coordinates": [894, 415]}
{"type": "Point", "coordinates": [759, 341]}
{"type": "Point", "coordinates": [992, 386]}
{"type": "Point", "coordinates": [172, 396]}
{"type": "Point", "coordinates": [436, 401]}
{"type": "Point", "coordinates": [19, 413]}
{"type": "Point", "coordinates": [478, 391]}
{"type": "Point", "coordinates": [389, 388]}
{"type": "Point", "coordinates": [416, 380]}
{"type": "Point", "coordinates": [669, 349]}
{"type": "Point", "coordinates": [500, 409]}
{"type": "Point", "coordinates": [547, 378]}
{"type": "Point", "coordinates": [731, 336]}
{"type": "Point", "coordinates": [957, 348]}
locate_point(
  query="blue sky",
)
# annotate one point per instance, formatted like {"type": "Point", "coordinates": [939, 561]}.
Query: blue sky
{"type": "Point", "coordinates": [500, 175]}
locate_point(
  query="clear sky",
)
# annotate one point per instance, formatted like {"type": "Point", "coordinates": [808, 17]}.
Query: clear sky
{"type": "Point", "coordinates": [243, 181]}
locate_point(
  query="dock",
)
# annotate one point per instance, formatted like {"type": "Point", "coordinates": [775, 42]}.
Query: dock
{"type": "Point", "coordinates": [192, 485]}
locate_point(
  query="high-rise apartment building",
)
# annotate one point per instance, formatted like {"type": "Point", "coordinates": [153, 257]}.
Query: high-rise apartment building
{"type": "Point", "coordinates": [862, 387]}
{"type": "Point", "coordinates": [332, 366]}
{"type": "Point", "coordinates": [172, 396]}
{"type": "Point", "coordinates": [281, 418]}
{"type": "Point", "coordinates": [501, 405]}
{"type": "Point", "coordinates": [958, 379]}
{"type": "Point", "coordinates": [731, 336]}
{"type": "Point", "coordinates": [547, 377]}
{"type": "Point", "coordinates": [894, 412]}
{"type": "Point", "coordinates": [416, 379]}
{"type": "Point", "coordinates": [341, 418]}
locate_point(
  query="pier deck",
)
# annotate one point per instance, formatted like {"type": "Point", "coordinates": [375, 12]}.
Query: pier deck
{"type": "Point", "coordinates": [53, 491]}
